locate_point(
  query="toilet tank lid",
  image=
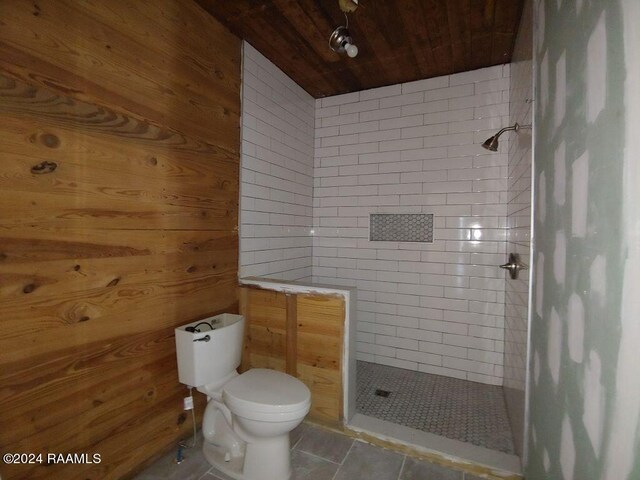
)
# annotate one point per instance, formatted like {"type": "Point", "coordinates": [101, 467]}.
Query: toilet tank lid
{"type": "Point", "coordinates": [267, 390]}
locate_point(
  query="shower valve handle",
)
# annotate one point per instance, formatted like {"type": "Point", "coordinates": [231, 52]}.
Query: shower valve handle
{"type": "Point", "coordinates": [514, 265]}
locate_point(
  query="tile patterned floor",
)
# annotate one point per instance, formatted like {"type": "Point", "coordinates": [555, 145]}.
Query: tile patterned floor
{"type": "Point", "coordinates": [317, 454]}
{"type": "Point", "coordinates": [458, 409]}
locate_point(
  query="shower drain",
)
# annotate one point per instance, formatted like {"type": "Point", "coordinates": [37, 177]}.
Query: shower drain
{"type": "Point", "coordinates": [382, 393]}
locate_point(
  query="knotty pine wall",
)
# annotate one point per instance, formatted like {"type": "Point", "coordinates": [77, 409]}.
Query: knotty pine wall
{"type": "Point", "coordinates": [135, 231]}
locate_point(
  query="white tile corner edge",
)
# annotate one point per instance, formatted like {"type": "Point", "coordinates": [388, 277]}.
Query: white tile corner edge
{"type": "Point", "coordinates": [501, 464]}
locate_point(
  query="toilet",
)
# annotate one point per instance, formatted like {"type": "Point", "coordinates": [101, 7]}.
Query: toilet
{"type": "Point", "coordinates": [248, 417]}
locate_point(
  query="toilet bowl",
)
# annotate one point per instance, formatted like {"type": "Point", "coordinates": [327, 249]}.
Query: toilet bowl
{"type": "Point", "coordinates": [248, 417]}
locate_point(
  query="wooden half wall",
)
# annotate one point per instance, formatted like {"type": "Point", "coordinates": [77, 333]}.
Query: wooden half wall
{"type": "Point", "coordinates": [302, 335]}
{"type": "Point", "coordinates": [119, 164]}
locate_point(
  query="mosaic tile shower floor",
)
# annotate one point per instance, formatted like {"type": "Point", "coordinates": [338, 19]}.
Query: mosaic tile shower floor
{"type": "Point", "coordinates": [458, 409]}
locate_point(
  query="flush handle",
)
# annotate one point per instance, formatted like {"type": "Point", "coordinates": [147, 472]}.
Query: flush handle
{"type": "Point", "coordinates": [206, 338]}
{"type": "Point", "coordinates": [514, 265]}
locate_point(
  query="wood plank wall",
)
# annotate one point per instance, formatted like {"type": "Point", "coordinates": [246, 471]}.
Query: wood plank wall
{"type": "Point", "coordinates": [137, 104]}
{"type": "Point", "coordinates": [314, 355]}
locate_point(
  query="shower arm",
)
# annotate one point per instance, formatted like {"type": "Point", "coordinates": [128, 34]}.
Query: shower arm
{"type": "Point", "coordinates": [515, 127]}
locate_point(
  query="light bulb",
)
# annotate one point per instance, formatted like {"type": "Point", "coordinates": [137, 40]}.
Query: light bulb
{"type": "Point", "coordinates": [352, 50]}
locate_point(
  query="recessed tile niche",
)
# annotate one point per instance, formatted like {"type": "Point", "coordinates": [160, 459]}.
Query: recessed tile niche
{"type": "Point", "coordinates": [401, 227]}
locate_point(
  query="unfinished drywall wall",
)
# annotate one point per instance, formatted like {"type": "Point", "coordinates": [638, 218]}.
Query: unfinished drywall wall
{"type": "Point", "coordinates": [585, 388]}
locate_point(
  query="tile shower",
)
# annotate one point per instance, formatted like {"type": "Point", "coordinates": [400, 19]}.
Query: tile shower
{"type": "Point", "coordinates": [435, 307]}
{"type": "Point", "coordinates": [431, 300]}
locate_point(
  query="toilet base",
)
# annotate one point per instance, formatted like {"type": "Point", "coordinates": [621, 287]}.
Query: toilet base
{"type": "Point", "coordinates": [215, 456]}
{"type": "Point", "coordinates": [269, 461]}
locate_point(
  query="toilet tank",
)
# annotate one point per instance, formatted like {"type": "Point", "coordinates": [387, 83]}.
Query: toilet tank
{"type": "Point", "coordinates": [203, 361]}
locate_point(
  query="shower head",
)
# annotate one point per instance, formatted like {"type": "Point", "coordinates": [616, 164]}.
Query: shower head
{"type": "Point", "coordinates": [492, 143]}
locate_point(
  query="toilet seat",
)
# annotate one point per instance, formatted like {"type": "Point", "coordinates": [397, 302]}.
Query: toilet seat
{"type": "Point", "coordinates": [267, 395]}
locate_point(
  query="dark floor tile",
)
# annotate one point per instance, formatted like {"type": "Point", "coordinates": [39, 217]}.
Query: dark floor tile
{"type": "Point", "coordinates": [365, 461]}
{"type": "Point", "coordinates": [296, 434]}
{"type": "Point", "coordinates": [216, 475]}
{"type": "Point", "coordinates": [317, 457]}
{"type": "Point", "coordinates": [192, 467]}
{"type": "Point", "coordinates": [323, 443]}
{"type": "Point", "coordinates": [418, 470]}
{"type": "Point", "coordinates": [310, 467]}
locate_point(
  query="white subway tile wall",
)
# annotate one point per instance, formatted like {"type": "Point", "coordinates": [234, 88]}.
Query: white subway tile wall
{"type": "Point", "coordinates": [276, 182]}
{"type": "Point", "coordinates": [415, 148]}
{"type": "Point", "coordinates": [519, 227]}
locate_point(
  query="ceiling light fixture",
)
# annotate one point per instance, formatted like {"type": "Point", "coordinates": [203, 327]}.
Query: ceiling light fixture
{"type": "Point", "coordinates": [340, 40]}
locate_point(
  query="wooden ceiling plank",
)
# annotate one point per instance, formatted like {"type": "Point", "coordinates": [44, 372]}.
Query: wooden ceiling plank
{"type": "Point", "coordinates": [502, 47]}
{"type": "Point", "coordinates": [306, 27]}
{"type": "Point", "coordinates": [396, 33]}
{"type": "Point", "coordinates": [507, 21]}
{"type": "Point", "coordinates": [439, 37]}
{"type": "Point", "coordinates": [367, 22]}
{"type": "Point", "coordinates": [399, 40]}
{"type": "Point", "coordinates": [413, 16]}
{"type": "Point", "coordinates": [481, 51]}
{"type": "Point", "coordinates": [458, 15]}
{"type": "Point", "coordinates": [233, 12]}
{"type": "Point", "coordinates": [507, 16]}
{"type": "Point", "coordinates": [482, 18]}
